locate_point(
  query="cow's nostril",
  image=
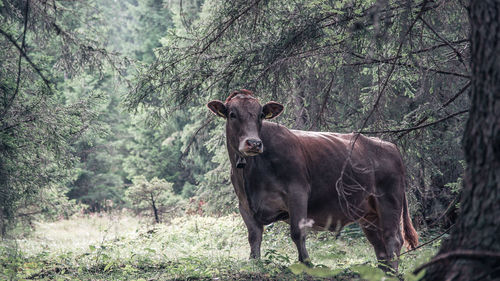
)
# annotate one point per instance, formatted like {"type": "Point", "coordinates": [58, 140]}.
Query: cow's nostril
{"type": "Point", "coordinates": [258, 144]}
{"type": "Point", "coordinates": [254, 143]}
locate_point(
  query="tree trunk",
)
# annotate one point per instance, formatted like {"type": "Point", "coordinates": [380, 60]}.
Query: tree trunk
{"type": "Point", "coordinates": [3, 224]}
{"type": "Point", "coordinates": [155, 209]}
{"type": "Point", "coordinates": [422, 192]}
{"type": "Point", "coordinates": [472, 251]}
{"type": "Point", "coordinates": [299, 107]}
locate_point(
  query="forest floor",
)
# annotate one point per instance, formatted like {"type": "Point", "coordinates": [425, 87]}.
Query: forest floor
{"type": "Point", "coordinates": [121, 247]}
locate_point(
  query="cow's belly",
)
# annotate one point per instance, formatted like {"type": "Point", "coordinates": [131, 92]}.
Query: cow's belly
{"type": "Point", "coordinates": [270, 208]}
{"type": "Point", "coordinates": [266, 217]}
{"type": "Point", "coordinates": [331, 221]}
{"type": "Point", "coordinates": [325, 211]}
{"type": "Point", "coordinates": [328, 215]}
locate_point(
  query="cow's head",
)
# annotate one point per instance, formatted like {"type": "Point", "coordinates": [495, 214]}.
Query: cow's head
{"type": "Point", "coordinates": [244, 116]}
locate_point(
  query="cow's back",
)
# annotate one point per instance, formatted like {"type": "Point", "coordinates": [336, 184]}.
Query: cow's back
{"type": "Point", "coordinates": [365, 167]}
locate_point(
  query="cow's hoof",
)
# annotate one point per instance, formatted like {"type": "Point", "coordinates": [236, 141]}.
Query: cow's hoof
{"type": "Point", "coordinates": [308, 263]}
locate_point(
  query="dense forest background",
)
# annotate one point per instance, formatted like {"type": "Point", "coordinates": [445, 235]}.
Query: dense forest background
{"type": "Point", "coordinates": [102, 103]}
{"type": "Point", "coordinates": [103, 97]}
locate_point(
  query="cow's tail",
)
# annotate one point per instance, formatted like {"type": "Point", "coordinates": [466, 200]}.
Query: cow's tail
{"type": "Point", "coordinates": [409, 233]}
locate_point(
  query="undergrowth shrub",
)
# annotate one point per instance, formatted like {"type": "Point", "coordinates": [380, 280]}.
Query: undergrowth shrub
{"type": "Point", "coordinates": [123, 247]}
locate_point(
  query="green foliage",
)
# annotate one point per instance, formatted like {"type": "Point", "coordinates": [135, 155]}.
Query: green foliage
{"type": "Point", "coordinates": [455, 187]}
{"type": "Point", "coordinates": [329, 63]}
{"type": "Point", "coordinates": [371, 273]}
{"type": "Point", "coordinates": [49, 103]}
{"type": "Point", "coordinates": [320, 271]}
{"type": "Point", "coordinates": [67, 131]}
{"type": "Point", "coordinates": [412, 277]}
{"type": "Point", "coordinates": [155, 195]}
{"type": "Point", "coordinates": [11, 261]}
{"type": "Point", "coordinates": [66, 137]}
{"type": "Point", "coordinates": [118, 246]}
{"type": "Point", "coordinates": [70, 69]}
{"type": "Point", "coordinates": [99, 177]}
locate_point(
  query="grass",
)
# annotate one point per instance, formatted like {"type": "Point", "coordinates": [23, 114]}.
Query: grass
{"type": "Point", "coordinates": [121, 247]}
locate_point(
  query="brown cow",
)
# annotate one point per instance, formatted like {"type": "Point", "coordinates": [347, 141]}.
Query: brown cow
{"type": "Point", "coordinates": [292, 175]}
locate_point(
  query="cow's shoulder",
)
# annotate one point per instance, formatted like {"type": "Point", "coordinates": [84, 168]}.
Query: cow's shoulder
{"type": "Point", "coordinates": [321, 137]}
{"type": "Point", "coordinates": [385, 156]}
{"type": "Point", "coordinates": [379, 146]}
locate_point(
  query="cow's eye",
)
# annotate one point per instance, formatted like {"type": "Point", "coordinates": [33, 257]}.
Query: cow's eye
{"type": "Point", "coordinates": [232, 115]}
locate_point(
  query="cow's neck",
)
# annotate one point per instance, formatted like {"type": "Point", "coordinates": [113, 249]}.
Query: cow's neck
{"type": "Point", "coordinates": [235, 156]}
{"type": "Point", "coordinates": [241, 162]}
{"type": "Point", "coordinates": [245, 166]}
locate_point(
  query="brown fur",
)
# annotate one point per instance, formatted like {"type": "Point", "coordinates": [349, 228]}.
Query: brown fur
{"type": "Point", "coordinates": [300, 176]}
{"type": "Point", "coordinates": [240, 92]}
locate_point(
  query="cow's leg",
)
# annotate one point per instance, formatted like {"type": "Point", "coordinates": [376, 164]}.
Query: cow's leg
{"type": "Point", "coordinates": [254, 233]}
{"type": "Point", "coordinates": [374, 235]}
{"type": "Point", "coordinates": [390, 208]}
{"type": "Point", "coordinates": [393, 239]}
{"type": "Point", "coordinates": [297, 203]}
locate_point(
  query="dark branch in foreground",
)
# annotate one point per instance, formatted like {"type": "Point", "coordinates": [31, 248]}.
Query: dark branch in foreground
{"type": "Point", "coordinates": [416, 127]}
{"type": "Point", "coordinates": [457, 95]}
{"type": "Point", "coordinates": [422, 120]}
{"type": "Point", "coordinates": [468, 254]}
{"type": "Point", "coordinates": [459, 56]}
{"type": "Point", "coordinates": [227, 25]}
{"type": "Point", "coordinates": [393, 67]}
{"type": "Point", "coordinates": [193, 137]}
{"type": "Point", "coordinates": [338, 184]}
{"type": "Point", "coordinates": [391, 61]}
{"type": "Point", "coordinates": [23, 44]}
{"type": "Point", "coordinates": [38, 71]}
{"type": "Point", "coordinates": [428, 242]}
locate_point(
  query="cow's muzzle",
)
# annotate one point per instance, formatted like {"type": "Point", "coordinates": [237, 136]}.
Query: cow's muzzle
{"type": "Point", "coordinates": [252, 147]}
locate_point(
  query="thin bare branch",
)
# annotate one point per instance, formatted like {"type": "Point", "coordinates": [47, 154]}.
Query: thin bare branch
{"type": "Point", "coordinates": [21, 50]}
{"type": "Point", "coordinates": [456, 95]}
{"type": "Point", "coordinates": [464, 254]}
{"type": "Point", "coordinates": [430, 241]}
{"type": "Point", "coordinates": [340, 184]}
{"type": "Point", "coordinates": [422, 120]}
{"type": "Point", "coordinates": [38, 71]}
{"type": "Point", "coordinates": [416, 127]}
{"type": "Point", "coordinates": [459, 56]}
{"type": "Point", "coordinates": [325, 99]}
{"type": "Point", "coordinates": [393, 62]}
{"type": "Point", "coordinates": [227, 25]}
{"type": "Point", "coordinates": [193, 137]}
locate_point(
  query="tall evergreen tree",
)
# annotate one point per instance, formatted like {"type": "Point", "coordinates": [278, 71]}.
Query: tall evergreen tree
{"type": "Point", "coordinates": [472, 251]}
{"type": "Point", "coordinates": [38, 122]}
{"type": "Point", "coordinates": [392, 69]}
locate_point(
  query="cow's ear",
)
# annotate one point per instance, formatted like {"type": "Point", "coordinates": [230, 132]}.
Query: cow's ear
{"type": "Point", "coordinates": [218, 108]}
{"type": "Point", "coordinates": [272, 109]}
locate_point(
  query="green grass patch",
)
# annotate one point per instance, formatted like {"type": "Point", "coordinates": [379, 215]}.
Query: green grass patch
{"type": "Point", "coordinates": [187, 248]}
